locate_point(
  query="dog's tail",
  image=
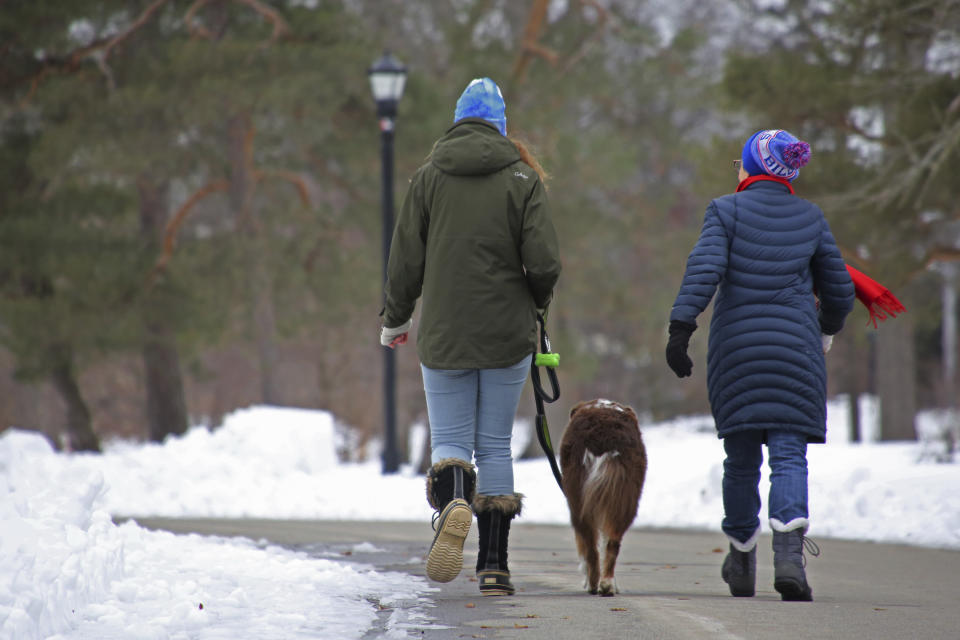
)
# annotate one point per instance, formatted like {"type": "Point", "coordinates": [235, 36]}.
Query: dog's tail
{"type": "Point", "coordinates": [612, 488]}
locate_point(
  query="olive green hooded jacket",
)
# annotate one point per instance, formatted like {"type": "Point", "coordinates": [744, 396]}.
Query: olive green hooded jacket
{"type": "Point", "coordinates": [474, 238]}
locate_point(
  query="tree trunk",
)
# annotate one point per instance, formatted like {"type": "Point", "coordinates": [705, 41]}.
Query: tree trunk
{"type": "Point", "coordinates": [166, 404]}
{"type": "Point", "coordinates": [259, 280]}
{"type": "Point", "coordinates": [896, 379]}
{"type": "Point", "coordinates": [950, 271]}
{"type": "Point", "coordinates": [265, 326]}
{"type": "Point", "coordinates": [905, 51]}
{"type": "Point", "coordinates": [855, 372]}
{"type": "Point", "coordinates": [80, 435]}
{"type": "Point", "coordinates": [855, 428]}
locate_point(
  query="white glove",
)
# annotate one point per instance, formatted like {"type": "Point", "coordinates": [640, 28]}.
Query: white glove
{"type": "Point", "coordinates": [827, 342]}
{"type": "Point", "coordinates": [396, 335]}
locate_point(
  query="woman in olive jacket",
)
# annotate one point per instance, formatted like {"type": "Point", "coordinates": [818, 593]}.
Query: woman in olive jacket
{"type": "Point", "coordinates": [474, 240]}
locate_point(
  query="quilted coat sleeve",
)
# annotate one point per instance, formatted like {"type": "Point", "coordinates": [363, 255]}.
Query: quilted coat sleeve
{"type": "Point", "coordinates": [407, 257]}
{"type": "Point", "coordinates": [832, 281]}
{"type": "Point", "coordinates": [706, 266]}
{"type": "Point", "coordinates": [539, 249]}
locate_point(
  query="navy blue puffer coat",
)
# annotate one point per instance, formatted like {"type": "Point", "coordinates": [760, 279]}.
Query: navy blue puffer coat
{"type": "Point", "coordinates": [768, 255]}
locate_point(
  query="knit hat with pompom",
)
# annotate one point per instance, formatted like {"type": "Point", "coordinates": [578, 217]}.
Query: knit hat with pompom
{"type": "Point", "coordinates": [775, 152]}
{"type": "Point", "coordinates": [482, 99]}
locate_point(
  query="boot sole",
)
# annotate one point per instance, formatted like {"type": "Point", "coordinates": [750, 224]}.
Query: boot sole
{"type": "Point", "coordinates": [741, 591]}
{"type": "Point", "coordinates": [445, 559]}
{"type": "Point", "coordinates": [793, 591]}
{"type": "Point", "coordinates": [495, 583]}
{"type": "Point", "coordinates": [741, 586]}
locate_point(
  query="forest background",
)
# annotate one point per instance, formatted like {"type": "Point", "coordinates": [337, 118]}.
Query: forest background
{"type": "Point", "coordinates": [190, 215]}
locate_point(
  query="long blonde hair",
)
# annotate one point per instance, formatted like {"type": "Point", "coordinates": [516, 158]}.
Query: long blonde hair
{"type": "Point", "coordinates": [527, 156]}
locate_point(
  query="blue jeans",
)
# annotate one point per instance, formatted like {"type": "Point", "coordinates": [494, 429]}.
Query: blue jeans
{"type": "Point", "coordinates": [787, 502]}
{"type": "Point", "coordinates": [471, 414]}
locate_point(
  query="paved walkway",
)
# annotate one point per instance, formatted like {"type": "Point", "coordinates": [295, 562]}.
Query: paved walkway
{"type": "Point", "coordinates": [670, 585]}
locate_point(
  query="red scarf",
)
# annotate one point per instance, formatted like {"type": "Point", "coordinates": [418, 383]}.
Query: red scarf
{"type": "Point", "coordinates": [874, 296]}
{"type": "Point", "coordinates": [760, 178]}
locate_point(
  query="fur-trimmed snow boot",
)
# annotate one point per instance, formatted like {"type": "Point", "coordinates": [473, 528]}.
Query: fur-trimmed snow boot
{"type": "Point", "coordinates": [494, 514]}
{"type": "Point", "coordinates": [789, 577]}
{"type": "Point", "coordinates": [450, 489]}
{"type": "Point", "coordinates": [739, 571]}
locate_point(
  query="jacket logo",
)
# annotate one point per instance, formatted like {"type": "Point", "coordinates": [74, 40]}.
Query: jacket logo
{"type": "Point", "coordinates": [520, 174]}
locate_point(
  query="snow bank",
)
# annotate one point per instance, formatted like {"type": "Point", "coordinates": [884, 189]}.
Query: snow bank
{"type": "Point", "coordinates": [68, 571]}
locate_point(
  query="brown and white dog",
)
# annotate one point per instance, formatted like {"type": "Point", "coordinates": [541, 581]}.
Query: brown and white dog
{"type": "Point", "coordinates": [603, 463]}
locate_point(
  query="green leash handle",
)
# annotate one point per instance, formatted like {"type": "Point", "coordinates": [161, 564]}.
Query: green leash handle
{"type": "Point", "coordinates": [551, 360]}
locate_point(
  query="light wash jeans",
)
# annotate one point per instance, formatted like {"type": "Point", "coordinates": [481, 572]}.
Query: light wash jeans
{"type": "Point", "coordinates": [787, 501]}
{"type": "Point", "coordinates": [471, 414]}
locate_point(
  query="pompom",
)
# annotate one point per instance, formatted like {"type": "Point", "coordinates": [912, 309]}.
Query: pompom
{"type": "Point", "coordinates": [797, 154]}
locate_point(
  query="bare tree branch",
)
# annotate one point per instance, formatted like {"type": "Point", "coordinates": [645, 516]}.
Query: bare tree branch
{"type": "Point", "coordinates": [106, 71]}
{"type": "Point", "coordinates": [100, 49]}
{"type": "Point", "coordinates": [529, 46]}
{"type": "Point", "coordinates": [280, 27]}
{"type": "Point", "coordinates": [170, 232]}
{"type": "Point", "coordinates": [292, 177]}
{"type": "Point", "coordinates": [588, 42]}
{"type": "Point", "coordinates": [144, 17]}
{"type": "Point", "coordinates": [197, 30]}
{"type": "Point", "coordinates": [938, 254]}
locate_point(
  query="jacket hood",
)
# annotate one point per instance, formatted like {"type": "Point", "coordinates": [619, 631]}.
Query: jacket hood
{"type": "Point", "coordinates": [473, 147]}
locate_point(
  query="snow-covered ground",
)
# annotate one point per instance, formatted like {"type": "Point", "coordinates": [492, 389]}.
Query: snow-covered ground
{"type": "Point", "coordinates": [67, 571]}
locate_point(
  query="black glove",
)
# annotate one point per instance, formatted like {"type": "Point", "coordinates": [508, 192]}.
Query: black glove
{"type": "Point", "coordinates": [677, 357]}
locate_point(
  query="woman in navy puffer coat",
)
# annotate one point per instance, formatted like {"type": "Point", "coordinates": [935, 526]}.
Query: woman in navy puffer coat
{"type": "Point", "coordinates": [769, 256]}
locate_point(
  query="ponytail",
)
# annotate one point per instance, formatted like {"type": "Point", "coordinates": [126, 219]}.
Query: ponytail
{"type": "Point", "coordinates": [527, 156]}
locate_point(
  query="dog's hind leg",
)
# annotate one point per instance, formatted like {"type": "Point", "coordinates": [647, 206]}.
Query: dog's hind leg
{"type": "Point", "coordinates": [589, 558]}
{"type": "Point", "coordinates": [608, 584]}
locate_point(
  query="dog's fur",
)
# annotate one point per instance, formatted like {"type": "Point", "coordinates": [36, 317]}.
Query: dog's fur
{"type": "Point", "coordinates": [603, 462]}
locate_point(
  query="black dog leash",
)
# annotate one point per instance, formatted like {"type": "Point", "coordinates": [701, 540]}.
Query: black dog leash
{"type": "Point", "coordinates": [551, 361]}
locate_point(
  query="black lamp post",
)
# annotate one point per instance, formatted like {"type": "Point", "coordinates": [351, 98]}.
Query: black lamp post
{"type": "Point", "coordinates": [387, 77]}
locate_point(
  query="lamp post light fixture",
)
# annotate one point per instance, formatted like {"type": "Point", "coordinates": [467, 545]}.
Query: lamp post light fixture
{"type": "Point", "coordinates": [387, 78]}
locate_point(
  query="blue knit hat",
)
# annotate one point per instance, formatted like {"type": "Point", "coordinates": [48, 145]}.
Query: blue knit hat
{"type": "Point", "coordinates": [775, 152]}
{"type": "Point", "coordinates": [482, 99]}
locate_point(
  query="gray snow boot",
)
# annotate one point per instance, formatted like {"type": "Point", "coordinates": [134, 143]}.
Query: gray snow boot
{"type": "Point", "coordinates": [789, 577]}
{"type": "Point", "coordinates": [739, 571]}
{"type": "Point", "coordinates": [450, 489]}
